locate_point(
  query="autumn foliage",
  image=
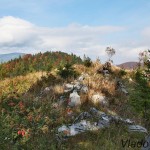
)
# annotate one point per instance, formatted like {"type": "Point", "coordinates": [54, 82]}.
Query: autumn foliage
{"type": "Point", "coordinates": [38, 62]}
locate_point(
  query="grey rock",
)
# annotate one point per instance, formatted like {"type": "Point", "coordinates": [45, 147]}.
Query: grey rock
{"type": "Point", "coordinates": [137, 128]}
{"type": "Point", "coordinates": [146, 145]}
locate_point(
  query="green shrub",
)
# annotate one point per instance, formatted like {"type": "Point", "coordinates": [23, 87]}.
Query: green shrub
{"type": "Point", "coordinates": [67, 71]}
{"type": "Point", "coordinates": [140, 97]}
{"type": "Point", "coordinates": [140, 78]}
{"type": "Point", "coordinates": [122, 73]}
{"type": "Point", "coordinates": [87, 61]}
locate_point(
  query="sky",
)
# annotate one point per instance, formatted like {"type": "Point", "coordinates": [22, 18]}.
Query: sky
{"type": "Point", "coordinates": [76, 26]}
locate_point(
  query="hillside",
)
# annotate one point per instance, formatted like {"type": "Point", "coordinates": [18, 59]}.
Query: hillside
{"type": "Point", "coordinates": [10, 56]}
{"type": "Point", "coordinates": [38, 62]}
{"type": "Point", "coordinates": [37, 112]}
{"type": "Point", "coordinates": [128, 65]}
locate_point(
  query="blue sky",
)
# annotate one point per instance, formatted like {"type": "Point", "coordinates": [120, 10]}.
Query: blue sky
{"type": "Point", "coordinates": [78, 26]}
{"type": "Point", "coordinates": [92, 12]}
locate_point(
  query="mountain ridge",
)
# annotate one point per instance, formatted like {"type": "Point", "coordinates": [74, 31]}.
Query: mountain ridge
{"type": "Point", "coordinates": [128, 65]}
{"type": "Point", "coordinates": [9, 56]}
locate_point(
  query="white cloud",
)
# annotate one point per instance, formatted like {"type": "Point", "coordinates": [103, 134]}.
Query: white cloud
{"type": "Point", "coordinates": [22, 36]}
{"type": "Point", "coordinates": [14, 31]}
{"type": "Point", "coordinates": [125, 54]}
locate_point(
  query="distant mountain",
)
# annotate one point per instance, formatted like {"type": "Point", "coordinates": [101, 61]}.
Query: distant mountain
{"type": "Point", "coordinates": [128, 65]}
{"type": "Point", "coordinates": [7, 57]}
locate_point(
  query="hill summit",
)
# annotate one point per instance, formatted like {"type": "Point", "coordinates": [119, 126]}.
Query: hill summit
{"type": "Point", "coordinates": [101, 108]}
{"type": "Point", "coordinates": [39, 62]}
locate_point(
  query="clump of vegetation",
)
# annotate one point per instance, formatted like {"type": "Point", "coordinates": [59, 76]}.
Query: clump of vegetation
{"type": "Point", "coordinates": [141, 96]}
{"type": "Point", "coordinates": [87, 61]}
{"type": "Point", "coordinates": [122, 73]}
{"type": "Point", "coordinates": [107, 66]}
{"type": "Point", "coordinates": [67, 71]}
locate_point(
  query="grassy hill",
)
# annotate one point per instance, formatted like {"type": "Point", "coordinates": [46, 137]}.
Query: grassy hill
{"type": "Point", "coordinates": [30, 120]}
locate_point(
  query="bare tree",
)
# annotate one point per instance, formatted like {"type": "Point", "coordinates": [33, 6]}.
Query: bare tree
{"type": "Point", "coordinates": [144, 57]}
{"type": "Point", "coordinates": [110, 52]}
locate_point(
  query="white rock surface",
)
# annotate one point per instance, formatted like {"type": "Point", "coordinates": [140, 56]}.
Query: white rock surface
{"type": "Point", "coordinates": [99, 99]}
{"type": "Point", "coordinates": [74, 99]}
{"type": "Point", "coordinates": [68, 87]}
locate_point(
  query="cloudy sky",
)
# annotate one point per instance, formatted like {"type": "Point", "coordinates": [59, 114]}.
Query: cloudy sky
{"type": "Point", "coordinates": [77, 26]}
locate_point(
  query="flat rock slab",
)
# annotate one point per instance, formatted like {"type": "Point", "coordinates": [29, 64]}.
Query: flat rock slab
{"type": "Point", "coordinates": [137, 128]}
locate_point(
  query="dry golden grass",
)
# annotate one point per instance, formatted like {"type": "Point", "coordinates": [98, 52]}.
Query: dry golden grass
{"type": "Point", "coordinates": [98, 84]}
{"type": "Point", "coordinates": [96, 66]}
{"type": "Point", "coordinates": [58, 89]}
{"type": "Point", "coordinates": [19, 84]}
{"type": "Point", "coordinates": [79, 68]}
